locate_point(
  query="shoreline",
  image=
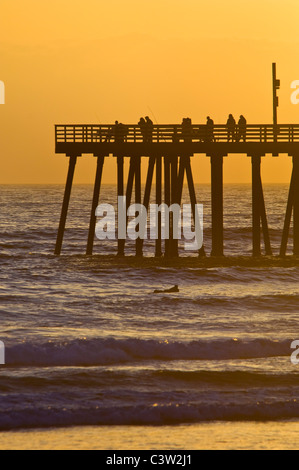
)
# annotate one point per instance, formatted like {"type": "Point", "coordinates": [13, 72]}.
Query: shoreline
{"type": "Point", "coordinates": [249, 435]}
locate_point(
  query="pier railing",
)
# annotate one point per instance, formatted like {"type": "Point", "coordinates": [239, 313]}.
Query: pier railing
{"type": "Point", "coordinates": [287, 133]}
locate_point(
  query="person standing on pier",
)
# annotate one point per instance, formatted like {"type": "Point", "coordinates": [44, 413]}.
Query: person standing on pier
{"type": "Point", "coordinates": [187, 130]}
{"type": "Point", "coordinates": [149, 129]}
{"type": "Point", "coordinates": [120, 132]}
{"type": "Point", "coordinates": [175, 136]}
{"type": "Point", "coordinates": [115, 132]}
{"type": "Point", "coordinates": [142, 126]}
{"type": "Point", "coordinates": [209, 130]}
{"type": "Point", "coordinates": [242, 124]}
{"type": "Point", "coordinates": [231, 128]}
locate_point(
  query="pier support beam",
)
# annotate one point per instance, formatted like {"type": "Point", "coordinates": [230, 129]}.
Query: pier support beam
{"type": "Point", "coordinates": [185, 167]}
{"type": "Point", "coordinates": [120, 193]}
{"type": "Point", "coordinates": [158, 249]}
{"type": "Point", "coordinates": [139, 241]}
{"type": "Point", "coordinates": [192, 194]}
{"type": "Point", "coordinates": [288, 218]}
{"type": "Point", "coordinates": [217, 205]}
{"type": "Point", "coordinates": [95, 203]}
{"type": "Point", "coordinates": [148, 186]}
{"type": "Point", "coordinates": [292, 208]}
{"type": "Point", "coordinates": [174, 248]}
{"type": "Point", "coordinates": [256, 212]}
{"type": "Point", "coordinates": [259, 211]}
{"type": "Point", "coordinates": [134, 175]}
{"type": "Point", "coordinates": [171, 197]}
{"type": "Point", "coordinates": [65, 205]}
{"type": "Point", "coordinates": [167, 199]}
{"type": "Point", "coordinates": [296, 204]}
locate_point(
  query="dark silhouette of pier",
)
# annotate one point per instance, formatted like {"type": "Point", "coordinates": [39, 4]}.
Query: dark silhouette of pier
{"type": "Point", "coordinates": [169, 150]}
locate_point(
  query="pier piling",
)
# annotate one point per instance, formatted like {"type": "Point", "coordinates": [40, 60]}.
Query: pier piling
{"type": "Point", "coordinates": [65, 205]}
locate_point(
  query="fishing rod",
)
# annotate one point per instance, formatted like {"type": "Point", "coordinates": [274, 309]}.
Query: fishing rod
{"type": "Point", "coordinates": [155, 119]}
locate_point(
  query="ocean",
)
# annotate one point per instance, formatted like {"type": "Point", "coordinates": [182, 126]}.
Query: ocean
{"type": "Point", "coordinates": [93, 355]}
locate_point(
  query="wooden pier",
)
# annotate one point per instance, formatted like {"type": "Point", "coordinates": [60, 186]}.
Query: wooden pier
{"type": "Point", "coordinates": [168, 150]}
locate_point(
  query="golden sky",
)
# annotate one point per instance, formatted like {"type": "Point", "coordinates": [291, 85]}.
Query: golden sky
{"type": "Point", "coordinates": [94, 61]}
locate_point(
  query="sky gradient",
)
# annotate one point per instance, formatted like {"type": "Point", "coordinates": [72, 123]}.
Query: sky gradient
{"type": "Point", "coordinates": [90, 62]}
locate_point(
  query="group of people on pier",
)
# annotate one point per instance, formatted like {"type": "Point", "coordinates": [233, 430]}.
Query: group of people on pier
{"type": "Point", "coordinates": [185, 132]}
{"type": "Point", "coordinates": [236, 132]}
{"type": "Point", "coordinates": [146, 127]}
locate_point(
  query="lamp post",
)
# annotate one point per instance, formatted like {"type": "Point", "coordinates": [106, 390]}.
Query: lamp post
{"type": "Point", "coordinates": [276, 86]}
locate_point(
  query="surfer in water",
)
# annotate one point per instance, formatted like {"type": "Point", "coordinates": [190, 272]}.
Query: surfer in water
{"type": "Point", "coordinates": [168, 291]}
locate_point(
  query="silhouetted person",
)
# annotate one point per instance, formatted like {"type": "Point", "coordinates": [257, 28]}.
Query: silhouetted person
{"type": "Point", "coordinates": [231, 128]}
{"type": "Point", "coordinates": [242, 127]}
{"type": "Point", "coordinates": [119, 131]}
{"type": "Point", "coordinates": [175, 136]}
{"type": "Point", "coordinates": [168, 291]}
{"type": "Point", "coordinates": [149, 129]}
{"type": "Point", "coordinates": [187, 130]}
{"type": "Point", "coordinates": [142, 126]}
{"type": "Point", "coordinates": [209, 130]}
{"type": "Point", "coordinates": [110, 134]}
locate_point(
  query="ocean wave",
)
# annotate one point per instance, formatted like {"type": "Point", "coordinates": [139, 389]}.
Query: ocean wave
{"type": "Point", "coordinates": [275, 302]}
{"type": "Point", "coordinates": [112, 351]}
{"type": "Point", "coordinates": [235, 378]}
{"type": "Point", "coordinates": [95, 379]}
{"type": "Point", "coordinates": [155, 414]}
{"type": "Point", "coordinates": [270, 302]}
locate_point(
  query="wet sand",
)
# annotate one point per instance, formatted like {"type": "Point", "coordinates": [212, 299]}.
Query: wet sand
{"type": "Point", "coordinates": [281, 435]}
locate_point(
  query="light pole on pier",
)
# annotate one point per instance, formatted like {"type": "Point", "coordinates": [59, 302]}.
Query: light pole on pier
{"type": "Point", "coordinates": [276, 86]}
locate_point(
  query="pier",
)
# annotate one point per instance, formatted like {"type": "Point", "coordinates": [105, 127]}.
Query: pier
{"type": "Point", "coordinates": [168, 150]}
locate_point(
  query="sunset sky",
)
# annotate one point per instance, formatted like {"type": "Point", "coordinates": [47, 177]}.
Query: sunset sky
{"type": "Point", "coordinates": [69, 61]}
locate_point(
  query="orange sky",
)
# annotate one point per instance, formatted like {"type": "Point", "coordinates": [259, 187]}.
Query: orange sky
{"type": "Point", "coordinates": [75, 61]}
